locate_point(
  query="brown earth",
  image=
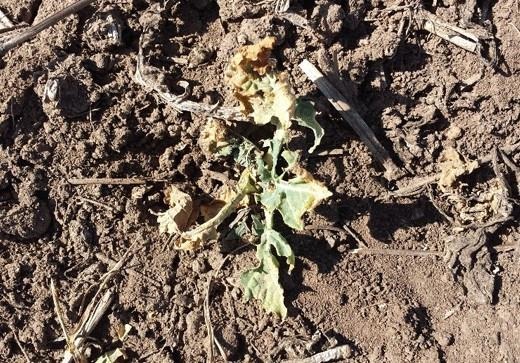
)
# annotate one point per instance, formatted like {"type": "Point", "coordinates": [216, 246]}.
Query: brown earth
{"type": "Point", "coordinates": [415, 90]}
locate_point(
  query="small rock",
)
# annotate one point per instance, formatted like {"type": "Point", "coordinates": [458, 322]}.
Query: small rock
{"type": "Point", "coordinates": [454, 133]}
{"type": "Point", "coordinates": [347, 351]}
{"type": "Point", "coordinates": [65, 95]}
{"type": "Point", "coordinates": [138, 192]}
{"type": "Point", "coordinates": [215, 259]}
{"type": "Point", "coordinates": [122, 136]}
{"type": "Point", "coordinates": [102, 62]}
{"type": "Point", "coordinates": [167, 289]}
{"type": "Point", "coordinates": [255, 30]}
{"type": "Point", "coordinates": [331, 240]}
{"type": "Point", "coordinates": [181, 325]}
{"type": "Point", "coordinates": [27, 220]}
{"type": "Point", "coordinates": [236, 293]}
{"type": "Point", "coordinates": [342, 248]}
{"type": "Point", "coordinates": [237, 9]}
{"type": "Point", "coordinates": [103, 31]}
{"type": "Point", "coordinates": [444, 339]}
{"type": "Point", "coordinates": [167, 159]}
{"type": "Point", "coordinates": [328, 18]}
{"type": "Point", "coordinates": [178, 289]}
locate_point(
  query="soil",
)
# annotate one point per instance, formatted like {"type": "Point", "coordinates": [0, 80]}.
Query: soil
{"type": "Point", "coordinates": [70, 108]}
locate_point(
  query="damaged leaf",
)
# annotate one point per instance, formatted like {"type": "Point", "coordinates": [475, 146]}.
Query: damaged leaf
{"type": "Point", "coordinates": [177, 218]}
{"type": "Point", "coordinates": [262, 282]}
{"type": "Point", "coordinates": [295, 197]}
{"type": "Point", "coordinates": [473, 204]}
{"type": "Point", "coordinates": [264, 94]}
{"type": "Point", "coordinates": [123, 330]}
{"type": "Point", "coordinates": [180, 216]}
{"type": "Point", "coordinates": [214, 139]}
{"type": "Point", "coordinates": [194, 238]}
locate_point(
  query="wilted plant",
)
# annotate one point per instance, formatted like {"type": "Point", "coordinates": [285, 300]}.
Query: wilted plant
{"type": "Point", "coordinates": [271, 176]}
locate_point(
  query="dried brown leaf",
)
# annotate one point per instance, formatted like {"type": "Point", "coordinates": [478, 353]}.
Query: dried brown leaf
{"type": "Point", "coordinates": [453, 166]}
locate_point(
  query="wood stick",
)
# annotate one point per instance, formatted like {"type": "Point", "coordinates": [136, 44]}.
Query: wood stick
{"type": "Point", "coordinates": [341, 353]}
{"type": "Point", "coordinates": [138, 275]}
{"type": "Point", "coordinates": [353, 118]}
{"type": "Point", "coordinates": [27, 359]}
{"type": "Point", "coordinates": [33, 30]}
{"type": "Point", "coordinates": [96, 203]}
{"type": "Point", "coordinates": [115, 181]}
{"type": "Point", "coordinates": [95, 310]}
{"type": "Point", "coordinates": [453, 34]}
{"type": "Point", "coordinates": [515, 27]}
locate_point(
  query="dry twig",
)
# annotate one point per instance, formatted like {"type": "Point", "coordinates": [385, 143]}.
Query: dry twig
{"type": "Point", "coordinates": [350, 115]}
{"type": "Point", "coordinates": [27, 359]}
{"type": "Point", "coordinates": [30, 32]}
{"type": "Point", "coordinates": [59, 315]}
{"type": "Point", "coordinates": [340, 353]}
{"type": "Point", "coordinates": [453, 34]}
{"type": "Point", "coordinates": [462, 38]}
{"type": "Point", "coordinates": [93, 313]}
{"type": "Point", "coordinates": [515, 27]}
{"type": "Point", "coordinates": [138, 275]}
{"type": "Point", "coordinates": [96, 203]}
{"type": "Point", "coordinates": [345, 228]}
{"type": "Point", "coordinates": [354, 235]}
{"type": "Point", "coordinates": [113, 181]}
{"type": "Point", "coordinates": [90, 319]}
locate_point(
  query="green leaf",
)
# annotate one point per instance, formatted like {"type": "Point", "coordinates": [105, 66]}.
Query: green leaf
{"type": "Point", "coordinates": [274, 149]}
{"type": "Point", "coordinates": [291, 157]}
{"type": "Point", "coordinates": [305, 115]}
{"type": "Point", "coordinates": [258, 226]}
{"type": "Point", "coordinates": [271, 199]}
{"type": "Point", "coordinates": [295, 197]}
{"type": "Point", "coordinates": [280, 244]}
{"type": "Point", "coordinates": [262, 282]}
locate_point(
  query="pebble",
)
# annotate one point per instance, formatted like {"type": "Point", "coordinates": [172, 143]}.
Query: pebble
{"type": "Point", "coordinates": [454, 133]}
{"type": "Point", "coordinates": [444, 339]}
